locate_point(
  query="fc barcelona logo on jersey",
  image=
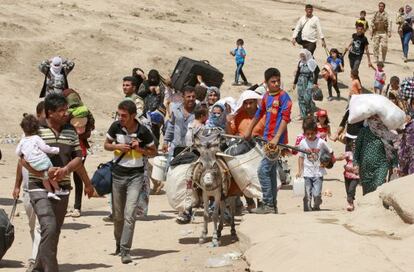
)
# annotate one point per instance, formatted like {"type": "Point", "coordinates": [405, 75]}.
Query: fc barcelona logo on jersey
{"type": "Point", "coordinates": [276, 103]}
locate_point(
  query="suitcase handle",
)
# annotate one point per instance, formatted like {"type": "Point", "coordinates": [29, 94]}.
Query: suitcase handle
{"type": "Point", "coordinates": [13, 212]}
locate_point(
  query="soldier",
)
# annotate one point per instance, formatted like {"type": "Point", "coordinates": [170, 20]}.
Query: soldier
{"type": "Point", "coordinates": [381, 31]}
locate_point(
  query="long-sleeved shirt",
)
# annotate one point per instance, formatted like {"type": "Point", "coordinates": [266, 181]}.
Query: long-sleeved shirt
{"type": "Point", "coordinates": [315, 74]}
{"type": "Point", "coordinates": [311, 29]}
{"type": "Point", "coordinates": [381, 23]}
{"type": "Point", "coordinates": [177, 127]}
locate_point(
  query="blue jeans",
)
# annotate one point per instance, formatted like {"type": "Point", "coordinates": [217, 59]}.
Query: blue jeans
{"type": "Point", "coordinates": [125, 192]}
{"type": "Point", "coordinates": [405, 41]}
{"type": "Point", "coordinates": [313, 188]}
{"type": "Point", "coordinates": [267, 177]}
{"type": "Point", "coordinates": [239, 72]}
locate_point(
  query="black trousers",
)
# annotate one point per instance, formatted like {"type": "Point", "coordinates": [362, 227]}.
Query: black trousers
{"type": "Point", "coordinates": [311, 46]}
{"type": "Point", "coordinates": [350, 187]}
{"type": "Point", "coordinates": [354, 61]}
{"type": "Point", "coordinates": [78, 189]}
{"type": "Point", "coordinates": [333, 84]}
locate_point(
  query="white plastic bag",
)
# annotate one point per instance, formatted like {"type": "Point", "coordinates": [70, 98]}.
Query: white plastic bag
{"type": "Point", "coordinates": [363, 106]}
{"type": "Point", "coordinates": [299, 186]}
{"type": "Point", "coordinates": [176, 187]}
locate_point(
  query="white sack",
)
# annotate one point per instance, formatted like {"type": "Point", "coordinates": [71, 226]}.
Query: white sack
{"type": "Point", "coordinates": [176, 187]}
{"type": "Point", "coordinates": [243, 169]}
{"type": "Point", "coordinates": [363, 106]}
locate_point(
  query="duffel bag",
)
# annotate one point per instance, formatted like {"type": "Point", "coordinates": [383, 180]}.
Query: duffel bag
{"type": "Point", "coordinates": [102, 178]}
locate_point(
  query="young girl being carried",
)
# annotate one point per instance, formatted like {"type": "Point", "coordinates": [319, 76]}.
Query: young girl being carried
{"type": "Point", "coordinates": [330, 71]}
{"type": "Point", "coordinates": [34, 150]}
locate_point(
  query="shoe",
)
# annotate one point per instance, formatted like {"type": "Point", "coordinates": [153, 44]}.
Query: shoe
{"type": "Point", "coordinates": [69, 213]}
{"type": "Point", "coordinates": [405, 60]}
{"type": "Point", "coordinates": [183, 219]}
{"type": "Point", "coordinates": [246, 83]}
{"type": "Point", "coordinates": [126, 258]}
{"type": "Point", "coordinates": [108, 218]}
{"type": "Point", "coordinates": [264, 209]}
{"type": "Point", "coordinates": [251, 207]}
{"type": "Point", "coordinates": [76, 213]}
{"type": "Point", "coordinates": [235, 84]}
{"type": "Point", "coordinates": [316, 208]}
{"type": "Point", "coordinates": [330, 98]}
{"type": "Point", "coordinates": [117, 250]}
{"type": "Point", "coordinates": [52, 196]}
{"type": "Point", "coordinates": [338, 96]}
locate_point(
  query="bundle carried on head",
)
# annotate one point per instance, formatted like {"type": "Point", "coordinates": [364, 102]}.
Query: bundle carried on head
{"type": "Point", "coordinates": [364, 106]}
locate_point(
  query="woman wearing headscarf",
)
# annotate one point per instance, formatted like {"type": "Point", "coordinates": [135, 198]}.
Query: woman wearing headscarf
{"type": "Point", "coordinates": [405, 22]}
{"type": "Point", "coordinates": [56, 71]}
{"type": "Point", "coordinates": [213, 95]}
{"type": "Point", "coordinates": [375, 154]}
{"type": "Point", "coordinates": [217, 118]}
{"type": "Point", "coordinates": [306, 79]}
{"type": "Point", "coordinates": [406, 136]}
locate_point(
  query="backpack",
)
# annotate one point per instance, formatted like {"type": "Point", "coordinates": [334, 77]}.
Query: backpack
{"type": "Point", "coordinates": [44, 88]}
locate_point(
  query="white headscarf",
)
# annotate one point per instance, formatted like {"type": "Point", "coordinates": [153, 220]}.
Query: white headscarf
{"type": "Point", "coordinates": [56, 66]}
{"type": "Point", "coordinates": [309, 60]}
{"type": "Point", "coordinates": [246, 95]}
{"type": "Point", "coordinates": [229, 101]}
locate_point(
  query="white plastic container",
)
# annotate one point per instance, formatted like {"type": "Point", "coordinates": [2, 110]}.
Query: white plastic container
{"type": "Point", "coordinates": [159, 167]}
{"type": "Point", "coordinates": [299, 186]}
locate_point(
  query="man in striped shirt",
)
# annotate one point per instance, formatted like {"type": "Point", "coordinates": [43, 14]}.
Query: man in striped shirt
{"type": "Point", "coordinates": [276, 106]}
{"type": "Point", "coordinates": [56, 132]}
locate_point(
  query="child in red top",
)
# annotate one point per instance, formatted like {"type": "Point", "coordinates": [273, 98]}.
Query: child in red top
{"type": "Point", "coordinates": [324, 129]}
{"type": "Point", "coordinates": [350, 174]}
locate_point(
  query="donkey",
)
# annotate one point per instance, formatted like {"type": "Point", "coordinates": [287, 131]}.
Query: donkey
{"type": "Point", "coordinates": [212, 176]}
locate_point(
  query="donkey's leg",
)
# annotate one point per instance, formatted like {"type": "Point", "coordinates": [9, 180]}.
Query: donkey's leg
{"type": "Point", "coordinates": [221, 217]}
{"type": "Point", "coordinates": [203, 236]}
{"type": "Point", "coordinates": [217, 200]}
{"type": "Point", "coordinates": [232, 213]}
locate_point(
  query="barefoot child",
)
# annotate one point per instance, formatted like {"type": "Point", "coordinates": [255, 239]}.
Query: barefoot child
{"type": "Point", "coordinates": [310, 166]}
{"type": "Point", "coordinates": [356, 87]}
{"type": "Point", "coordinates": [240, 55]}
{"type": "Point", "coordinates": [380, 77]}
{"type": "Point", "coordinates": [34, 150]}
{"type": "Point", "coordinates": [350, 175]}
{"type": "Point", "coordinates": [324, 129]}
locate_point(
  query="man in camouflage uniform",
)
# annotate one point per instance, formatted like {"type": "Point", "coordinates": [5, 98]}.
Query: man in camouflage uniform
{"type": "Point", "coordinates": [381, 31]}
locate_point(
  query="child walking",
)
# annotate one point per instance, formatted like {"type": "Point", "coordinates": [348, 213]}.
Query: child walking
{"type": "Point", "coordinates": [356, 87]}
{"type": "Point", "coordinates": [324, 129]}
{"type": "Point", "coordinates": [337, 66]}
{"type": "Point", "coordinates": [310, 166]}
{"type": "Point", "coordinates": [240, 55]}
{"type": "Point", "coordinates": [380, 77]}
{"type": "Point", "coordinates": [34, 150]}
{"type": "Point", "coordinates": [362, 20]}
{"type": "Point", "coordinates": [350, 174]}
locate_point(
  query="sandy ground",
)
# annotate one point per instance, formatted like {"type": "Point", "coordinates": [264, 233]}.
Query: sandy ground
{"type": "Point", "coordinates": [106, 39]}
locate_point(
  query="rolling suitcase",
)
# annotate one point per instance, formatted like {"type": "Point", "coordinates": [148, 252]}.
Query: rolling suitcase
{"type": "Point", "coordinates": [186, 71]}
{"type": "Point", "coordinates": [6, 230]}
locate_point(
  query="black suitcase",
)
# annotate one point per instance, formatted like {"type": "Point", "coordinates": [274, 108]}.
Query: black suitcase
{"type": "Point", "coordinates": [6, 230]}
{"type": "Point", "coordinates": [186, 71]}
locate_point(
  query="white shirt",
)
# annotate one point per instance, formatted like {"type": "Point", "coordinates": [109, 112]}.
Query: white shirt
{"type": "Point", "coordinates": [34, 149]}
{"type": "Point", "coordinates": [311, 31]}
{"type": "Point", "coordinates": [312, 163]}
